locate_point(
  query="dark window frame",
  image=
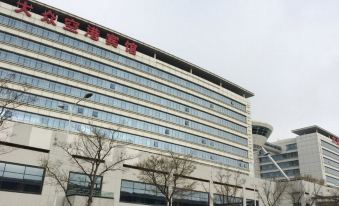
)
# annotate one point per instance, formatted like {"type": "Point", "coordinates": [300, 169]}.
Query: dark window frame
{"type": "Point", "coordinates": [24, 165]}
{"type": "Point", "coordinates": [81, 173]}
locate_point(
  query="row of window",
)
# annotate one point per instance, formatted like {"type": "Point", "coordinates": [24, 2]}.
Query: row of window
{"type": "Point", "coordinates": [126, 121]}
{"type": "Point", "coordinates": [87, 63]}
{"type": "Point", "coordinates": [74, 75]}
{"type": "Point", "coordinates": [331, 163]}
{"type": "Point", "coordinates": [51, 122]}
{"type": "Point", "coordinates": [261, 131]}
{"type": "Point", "coordinates": [29, 179]}
{"type": "Point", "coordinates": [88, 48]}
{"type": "Point", "coordinates": [142, 193]}
{"type": "Point", "coordinates": [331, 154]}
{"type": "Point", "coordinates": [281, 164]}
{"type": "Point", "coordinates": [68, 90]}
{"type": "Point", "coordinates": [332, 171]}
{"type": "Point", "coordinates": [222, 200]}
{"type": "Point", "coordinates": [294, 172]}
{"type": "Point", "coordinates": [279, 157]}
{"type": "Point", "coordinates": [139, 192]}
{"type": "Point", "coordinates": [332, 180]}
{"type": "Point", "coordinates": [291, 146]}
{"type": "Point", "coordinates": [21, 178]}
{"type": "Point", "coordinates": [330, 146]}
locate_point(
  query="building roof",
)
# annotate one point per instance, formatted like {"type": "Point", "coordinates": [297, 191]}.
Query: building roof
{"type": "Point", "coordinates": [313, 129]}
{"type": "Point", "coordinates": [146, 49]}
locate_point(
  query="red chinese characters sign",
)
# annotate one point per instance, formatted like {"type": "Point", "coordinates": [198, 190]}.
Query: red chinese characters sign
{"type": "Point", "coordinates": [24, 7]}
{"type": "Point", "coordinates": [93, 32]}
{"type": "Point", "coordinates": [72, 25]}
{"type": "Point", "coordinates": [112, 40]}
{"type": "Point", "coordinates": [335, 140]}
{"type": "Point", "coordinates": [49, 17]}
{"type": "Point", "coordinates": [131, 47]}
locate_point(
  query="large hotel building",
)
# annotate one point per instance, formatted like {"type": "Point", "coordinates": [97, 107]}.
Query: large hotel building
{"type": "Point", "coordinates": [163, 103]}
{"type": "Point", "coordinates": [81, 75]}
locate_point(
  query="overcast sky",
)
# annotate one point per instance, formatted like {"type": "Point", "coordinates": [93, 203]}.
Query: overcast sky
{"type": "Point", "coordinates": [285, 51]}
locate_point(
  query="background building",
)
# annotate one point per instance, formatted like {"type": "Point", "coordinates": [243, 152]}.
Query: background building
{"type": "Point", "coordinates": [162, 102]}
{"type": "Point", "coordinates": [314, 152]}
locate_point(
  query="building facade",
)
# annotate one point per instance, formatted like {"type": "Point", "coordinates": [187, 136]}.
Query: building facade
{"type": "Point", "coordinates": [314, 152]}
{"type": "Point", "coordinates": [161, 102]}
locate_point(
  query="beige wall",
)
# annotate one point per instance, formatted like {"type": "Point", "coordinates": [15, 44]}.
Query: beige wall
{"type": "Point", "coordinates": [25, 134]}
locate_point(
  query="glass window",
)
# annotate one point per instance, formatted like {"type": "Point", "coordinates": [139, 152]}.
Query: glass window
{"type": "Point", "coordinates": [60, 124]}
{"type": "Point", "coordinates": [291, 146]}
{"type": "Point", "coordinates": [137, 192]}
{"type": "Point", "coordinates": [112, 86]}
{"type": "Point", "coordinates": [80, 183]}
{"type": "Point", "coordinates": [95, 113]}
{"type": "Point", "coordinates": [21, 178]}
{"type": "Point", "coordinates": [222, 200]}
{"type": "Point", "coordinates": [80, 110]}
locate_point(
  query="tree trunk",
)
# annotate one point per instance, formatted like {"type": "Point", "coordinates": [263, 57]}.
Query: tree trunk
{"type": "Point", "coordinates": [90, 200]}
{"type": "Point", "coordinates": [169, 202]}
{"type": "Point", "coordinates": [90, 195]}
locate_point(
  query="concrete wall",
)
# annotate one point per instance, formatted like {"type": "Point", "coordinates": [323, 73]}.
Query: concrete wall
{"type": "Point", "coordinates": [24, 135]}
{"type": "Point", "coordinates": [309, 154]}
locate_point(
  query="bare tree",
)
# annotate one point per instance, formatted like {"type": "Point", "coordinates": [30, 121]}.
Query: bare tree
{"type": "Point", "coordinates": [91, 154]}
{"type": "Point", "coordinates": [11, 98]}
{"type": "Point", "coordinates": [272, 192]}
{"type": "Point", "coordinates": [296, 192]}
{"type": "Point", "coordinates": [317, 184]}
{"type": "Point", "coordinates": [228, 186]}
{"type": "Point", "coordinates": [169, 174]}
{"type": "Point", "coordinates": [58, 174]}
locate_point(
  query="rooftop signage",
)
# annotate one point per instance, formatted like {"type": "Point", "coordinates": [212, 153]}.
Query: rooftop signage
{"type": "Point", "coordinates": [335, 140]}
{"type": "Point", "coordinates": [94, 32]}
{"type": "Point", "coordinates": [72, 25]}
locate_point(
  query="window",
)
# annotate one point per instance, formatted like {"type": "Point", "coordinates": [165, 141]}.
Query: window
{"type": "Point", "coordinates": [80, 110]}
{"type": "Point", "coordinates": [187, 123]}
{"type": "Point", "coordinates": [142, 193]}
{"type": "Point", "coordinates": [80, 183]}
{"type": "Point", "coordinates": [167, 131]}
{"type": "Point", "coordinates": [187, 109]}
{"type": "Point", "coordinates": [291, 146]}
{"type": "Point", "coordinates": [137, 192]}
{"type": "Point", "coordinates": [191, 198]}
{"type": "Point", "coordinates": [95, 113]}
{"type": "Point", "coordinates": [21, 178]}
{"type": "Point", "coordinates": [221, 200]}
{"type": "Point", "coordinates": [112, 86]}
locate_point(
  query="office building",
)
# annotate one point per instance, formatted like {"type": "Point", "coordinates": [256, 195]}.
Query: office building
{"type": "Point", "coordinates": [162, 102]}
{"type": "Point", "coordinates": [313, 152]}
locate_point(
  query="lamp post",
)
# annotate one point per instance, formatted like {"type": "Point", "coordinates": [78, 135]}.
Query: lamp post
{"type": "Point", "coordinates": [70, 111]}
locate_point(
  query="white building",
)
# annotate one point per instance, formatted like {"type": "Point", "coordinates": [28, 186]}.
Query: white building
{"type": "Point", "coordinates": [314, 152]}
{"type": "Point", "coordinates": [163, 102]}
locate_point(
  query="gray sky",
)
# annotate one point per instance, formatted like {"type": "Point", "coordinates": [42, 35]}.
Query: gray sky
{"type": "Point", "coordinates": [285, 51]}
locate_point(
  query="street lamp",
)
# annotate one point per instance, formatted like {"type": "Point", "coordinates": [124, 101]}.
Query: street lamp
{"type": "Point", "coordinates": [70, 111]}
{"type": "Point", "coordinates": [86, 96]}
